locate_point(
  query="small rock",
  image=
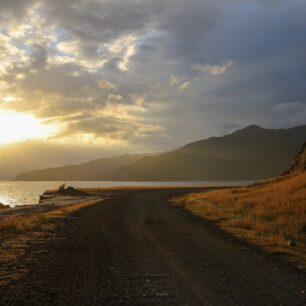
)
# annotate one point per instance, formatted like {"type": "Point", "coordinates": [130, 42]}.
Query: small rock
{"type": "Point", "coordinates": [164, 294]}
{"type": "Point", "coordinates": [292, 243]}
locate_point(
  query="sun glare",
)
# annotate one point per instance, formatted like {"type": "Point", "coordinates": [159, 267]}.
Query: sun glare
{"type": "Point", "coordinates": [16, 127]}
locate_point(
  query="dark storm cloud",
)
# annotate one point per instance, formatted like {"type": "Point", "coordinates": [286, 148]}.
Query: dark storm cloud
{"type": "Point", "coordinates": [96, 22]}
{"type": "Point", "coordinates": [182, 24]}
{"type": "Point", "coordinates": [13, 9]}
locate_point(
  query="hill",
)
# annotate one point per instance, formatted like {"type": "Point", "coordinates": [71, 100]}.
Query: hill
{"type": "Point", "coordinates": [79, 172]}
{"type": "Point", "coordinates": [251, 153]}
{"type": "Point", "coordinates": [271, 213]}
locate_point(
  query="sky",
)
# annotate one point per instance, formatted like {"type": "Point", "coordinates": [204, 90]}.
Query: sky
{"type": "Point", "coordinates": [91, 78]}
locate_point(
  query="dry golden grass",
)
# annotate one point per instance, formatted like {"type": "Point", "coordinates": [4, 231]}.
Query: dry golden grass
{"type": "Point", "coordinates": [268, 214]}
{"type": "Point", "coordinates": [16, 224]}
{"type": "Point", "coordinates": [63, 211]}
{"type": "Point", "coordinates": [18, 231]}
{"type": "Point", "coordinates": [20, 224]}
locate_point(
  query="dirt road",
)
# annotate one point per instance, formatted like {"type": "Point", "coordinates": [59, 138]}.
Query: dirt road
{"type": "Point", "coordinates": [135, 249]}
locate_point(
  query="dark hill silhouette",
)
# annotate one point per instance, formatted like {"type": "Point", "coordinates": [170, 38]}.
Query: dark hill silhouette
{"type": "Point", "coordinates": [79, 172]}
{"type": "Point", "coordinates": [251, 153]}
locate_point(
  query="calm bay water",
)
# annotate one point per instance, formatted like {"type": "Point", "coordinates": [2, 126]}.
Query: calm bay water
{"type": "Point", "coordinates": [24, 193]}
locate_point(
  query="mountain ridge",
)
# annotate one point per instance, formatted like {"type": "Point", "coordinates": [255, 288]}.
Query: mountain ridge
{"type": "Point", "coordinates": [250, 153]}
{"type": "Point", "coordinates": [79, 171]}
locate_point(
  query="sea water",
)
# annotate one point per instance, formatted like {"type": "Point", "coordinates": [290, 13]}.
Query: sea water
{"type": "Point", "coordinates": [27, 193]}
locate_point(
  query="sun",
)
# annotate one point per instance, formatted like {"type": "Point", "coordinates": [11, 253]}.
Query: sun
{"type": "Point", "coordinates": [17, 127]}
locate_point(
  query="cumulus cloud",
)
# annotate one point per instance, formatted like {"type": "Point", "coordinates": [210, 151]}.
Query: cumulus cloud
{"type": "Point", "coordinates": [213, 69]}
{"type": "Point", "coordinates": [184, 86]}
{"type": "Point", "coordinates": [105, 84]}
{"type": "Point", "coordinates": [289, 107]}
{"type": "Point", "coordinates": [292, 113]}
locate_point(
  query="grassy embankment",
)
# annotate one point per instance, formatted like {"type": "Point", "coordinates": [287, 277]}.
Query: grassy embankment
{"type": "Point", "coordinates": [269, 214]}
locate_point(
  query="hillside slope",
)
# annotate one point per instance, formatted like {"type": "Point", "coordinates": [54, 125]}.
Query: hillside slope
{"type": "Point", "coordinates": [79, 172]}
{"type": "Point", "coordinates": [249, 154]}
{"type": "Point", "coordinates": [271, 213]}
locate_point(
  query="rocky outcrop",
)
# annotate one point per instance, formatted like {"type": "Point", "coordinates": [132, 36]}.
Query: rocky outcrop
{"type": "Point", "coordinates": [2, 206]}
{"type": "Point", "coordinates": [299, 163]}
{"type": "Point", "coordinates": [63, 191]}
{"type": "Point", "coordinates": [71, 191]}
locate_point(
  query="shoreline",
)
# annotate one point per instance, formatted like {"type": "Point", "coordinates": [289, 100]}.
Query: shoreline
{"type": "Point", "coordinates": [15, 193]}
{"type": "Point", "coordinates": [52, 200]}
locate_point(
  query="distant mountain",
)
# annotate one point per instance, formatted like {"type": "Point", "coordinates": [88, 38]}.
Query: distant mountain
{"type": "Point", "coordinates": [251, 153]}
{"type": "Point", "coordinates": [80, 172]}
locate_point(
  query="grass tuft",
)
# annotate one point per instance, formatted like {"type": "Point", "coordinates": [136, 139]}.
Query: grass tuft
{"type": "Point", "coordinates": [19, 224]}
